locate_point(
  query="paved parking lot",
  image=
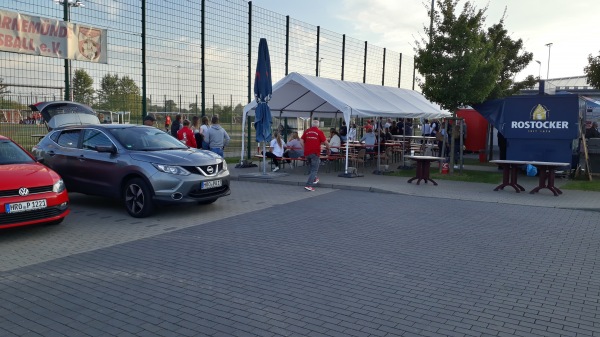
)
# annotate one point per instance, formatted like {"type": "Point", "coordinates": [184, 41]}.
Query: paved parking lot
{"type": "Point", "coordinates": [272, 260]}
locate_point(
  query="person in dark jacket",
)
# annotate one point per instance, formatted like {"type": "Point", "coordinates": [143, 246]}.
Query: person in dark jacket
{"type": "Point", "coordinates": [176, 126]}
{"type": "Point", "coordinates": [592, 132]}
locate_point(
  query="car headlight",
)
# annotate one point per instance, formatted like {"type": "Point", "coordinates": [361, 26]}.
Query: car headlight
{"type": "Point", "coordinates": [178, 170]}
{"type": "Point", "coordinates": [224, 164]}
{"type": "Point", "coordinates": [58, 186]}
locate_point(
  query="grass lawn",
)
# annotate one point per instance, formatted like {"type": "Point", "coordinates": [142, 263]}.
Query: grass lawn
{"type": "Point", "coordinates": [582, 184]}
{"type": "Point", "coordinates": [468, 176]}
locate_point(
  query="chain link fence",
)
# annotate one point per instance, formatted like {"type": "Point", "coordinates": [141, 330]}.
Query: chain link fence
{"type": "Point", "coordinates": [189, 57]}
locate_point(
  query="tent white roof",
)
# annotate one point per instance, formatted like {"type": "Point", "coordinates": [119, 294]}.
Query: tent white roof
{"type": "Point", "coordinates": [298, 95]}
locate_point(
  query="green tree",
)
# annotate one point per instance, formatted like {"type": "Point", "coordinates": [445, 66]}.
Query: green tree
{"type": "Point", "coordinates": [130, 96]}
{"type": "Point", "coordinates": [592, 71]}
{"type": "Point", "coordinates": [83, 91]}
{"type": "Point", "coordinates": [120, 94]}
{"type": "Point", "coordinates": [194, 109]}
{"type": "Point", "coordinates": [458, 62]}
{"type": "Point", "coordinates": [463, 64]}
{"type": "Point", "coordinates": [238, 110]}
{"type": "Point", "coordinates": [3, 88]}
{"type": "Point", "coordinates": [514, 59]}
{"type": "Point", "coordinates": [170, 105]}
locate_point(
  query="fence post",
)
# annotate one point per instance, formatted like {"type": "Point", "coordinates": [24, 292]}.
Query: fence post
{"type": "Point", "coordinates": [202, 55]}
{"type": "Point", "coordinates": [365, 65]}
{"type": "Point", "coordinates": [67, 76]}
{"type": "Point", "coordinates": [383, 71]}
{"type": "Point", "coordinates": [249, 73]}
{"type": "Point", "coordinates": [287, 44]}
{"type": "Point", "coordinates": [318, 49]}
{"type": "Point", "coordinates": [414, 73]}
{"type": "Point", "coordinates": [144, 82]}
{"type": "Point", "coordinates": [343, 55]}
{"type": "Point", "coordinates": [400, 70]}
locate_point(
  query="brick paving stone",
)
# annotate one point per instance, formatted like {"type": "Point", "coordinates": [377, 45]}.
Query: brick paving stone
{"type": "Point", "coordinates": [486, 269]}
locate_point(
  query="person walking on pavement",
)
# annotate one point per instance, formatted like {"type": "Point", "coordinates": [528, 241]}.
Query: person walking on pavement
{"type": "Point", "coordinates": [312, 139]}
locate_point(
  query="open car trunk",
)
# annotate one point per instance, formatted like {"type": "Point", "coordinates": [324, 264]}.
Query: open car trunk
{"type": "Point", "coordinates": [63, 113]}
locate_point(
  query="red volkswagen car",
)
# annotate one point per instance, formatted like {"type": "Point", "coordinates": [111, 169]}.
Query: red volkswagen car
{"type": "Point", "coordinates": [30, 193]}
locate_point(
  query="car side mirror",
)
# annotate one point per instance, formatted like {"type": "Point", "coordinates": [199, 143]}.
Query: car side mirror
{"type": "Point", "coordinates": [106, 148]}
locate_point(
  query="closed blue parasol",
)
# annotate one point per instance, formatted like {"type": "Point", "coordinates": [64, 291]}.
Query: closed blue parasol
{"type": "Point", "coordinates": [263, 88]}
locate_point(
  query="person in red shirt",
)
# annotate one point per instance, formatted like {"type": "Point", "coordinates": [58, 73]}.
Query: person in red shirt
{"type": "Point", "coordinates": [312, 139]}
{"type": "Point", "coordinates": [186, 135]}
{"type": "Point", "coordinates": [167, 123]}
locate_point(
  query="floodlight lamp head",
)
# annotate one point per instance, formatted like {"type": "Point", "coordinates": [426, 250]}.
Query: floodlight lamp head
{"type": "Point", "coordinates": [538, 61]}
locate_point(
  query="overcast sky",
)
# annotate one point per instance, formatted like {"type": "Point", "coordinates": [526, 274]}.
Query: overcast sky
{"type": "Point", "coordinates": [571, 26]}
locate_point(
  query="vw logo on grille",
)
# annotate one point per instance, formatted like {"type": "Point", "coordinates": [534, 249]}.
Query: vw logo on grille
{"type": "Point", "coordinates": [209, 169]}
{"type": "Point", "coordinates": [23, 191]}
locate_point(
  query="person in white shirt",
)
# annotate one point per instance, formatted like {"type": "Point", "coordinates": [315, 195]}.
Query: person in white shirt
{"type": "Point", "coordinates": [276, 149]}
{"type": "Point", "coordinates": [352, 133]}
{"type": "Point", "coordinates": [426, 128]}
{"type": "Point", "coordinates": [335, 142]}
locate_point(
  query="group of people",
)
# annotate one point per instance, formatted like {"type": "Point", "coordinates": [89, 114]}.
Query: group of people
{"type": "Point", "coordinates": [308, 146]}
{"type": "Point", "coordinates": [198, 133]}
{"type": "Point", "coordinates": [278, 149]}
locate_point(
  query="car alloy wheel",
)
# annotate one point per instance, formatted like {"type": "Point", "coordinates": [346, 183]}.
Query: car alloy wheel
{"type": "Point", "coordinates": [138, 199]}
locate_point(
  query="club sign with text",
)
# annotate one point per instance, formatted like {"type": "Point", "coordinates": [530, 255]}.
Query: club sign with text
{"type": "Point", "coordinates": [541, 117]}
{"type": "Point", "coordinates": [33, 35]}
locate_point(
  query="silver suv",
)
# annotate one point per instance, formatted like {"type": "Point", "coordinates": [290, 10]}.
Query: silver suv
{"type": "Point", "coordinates": [141, 165]}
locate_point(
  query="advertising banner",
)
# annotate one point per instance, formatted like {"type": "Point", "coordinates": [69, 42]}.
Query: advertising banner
{"type": "Point", "coordinates": [34, 35]}
{"type": "Point", "coordinates": [541, 117]}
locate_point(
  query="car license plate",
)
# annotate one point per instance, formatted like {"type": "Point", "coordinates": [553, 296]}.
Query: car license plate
{"type": "Point", "coordinates": [211, 184]}
{"type": "Point", "coordinates": [25, 206]}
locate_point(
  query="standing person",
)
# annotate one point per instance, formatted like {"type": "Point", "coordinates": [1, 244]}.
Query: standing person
{"type": "Point", "coordinates": [408, 127]}
{"type": "Point", "coordinates": [275, 150]}
{"type": "Point", "coordinates": [435, 127]}
{"type": "Point", "coordinates": [593, 131]}
{"type": "Point", "coordinates": [394, 128]}
{"type": "Point", "coordinates": [217, 137]}
{"type": "Point", "coordinates": [167, 123]}
{"type": "Point", "coordinates": [204, 131]}
{"type": "Point", "coordinates": [501, 146]}
{"type": "Point", "coordinates": [197, 134]}
{"type": "Point", "coordinates": [426, 128]}
{"type": "Point", "coordinates": [176, 126]}
{"type": "Point", "coordinates": [352, 133]}
{"type": "Point", "coordinates": [312, 139]}
{"type": "Point", "coordinates": [149, 120]}
{"type": "Point", "coordinates": [388, 124]}
{"type": "Point", "coordinates": [343, 132]}
{"type": "Point", "coordinates": [400, 127]}
{"type": "Point", "coordinates": [186, 135]}
{"type": "Point", "coordinates": [457, 135]}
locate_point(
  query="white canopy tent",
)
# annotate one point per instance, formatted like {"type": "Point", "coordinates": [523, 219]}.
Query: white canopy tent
{"type": "Point", "coordinates": [298, 95]}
